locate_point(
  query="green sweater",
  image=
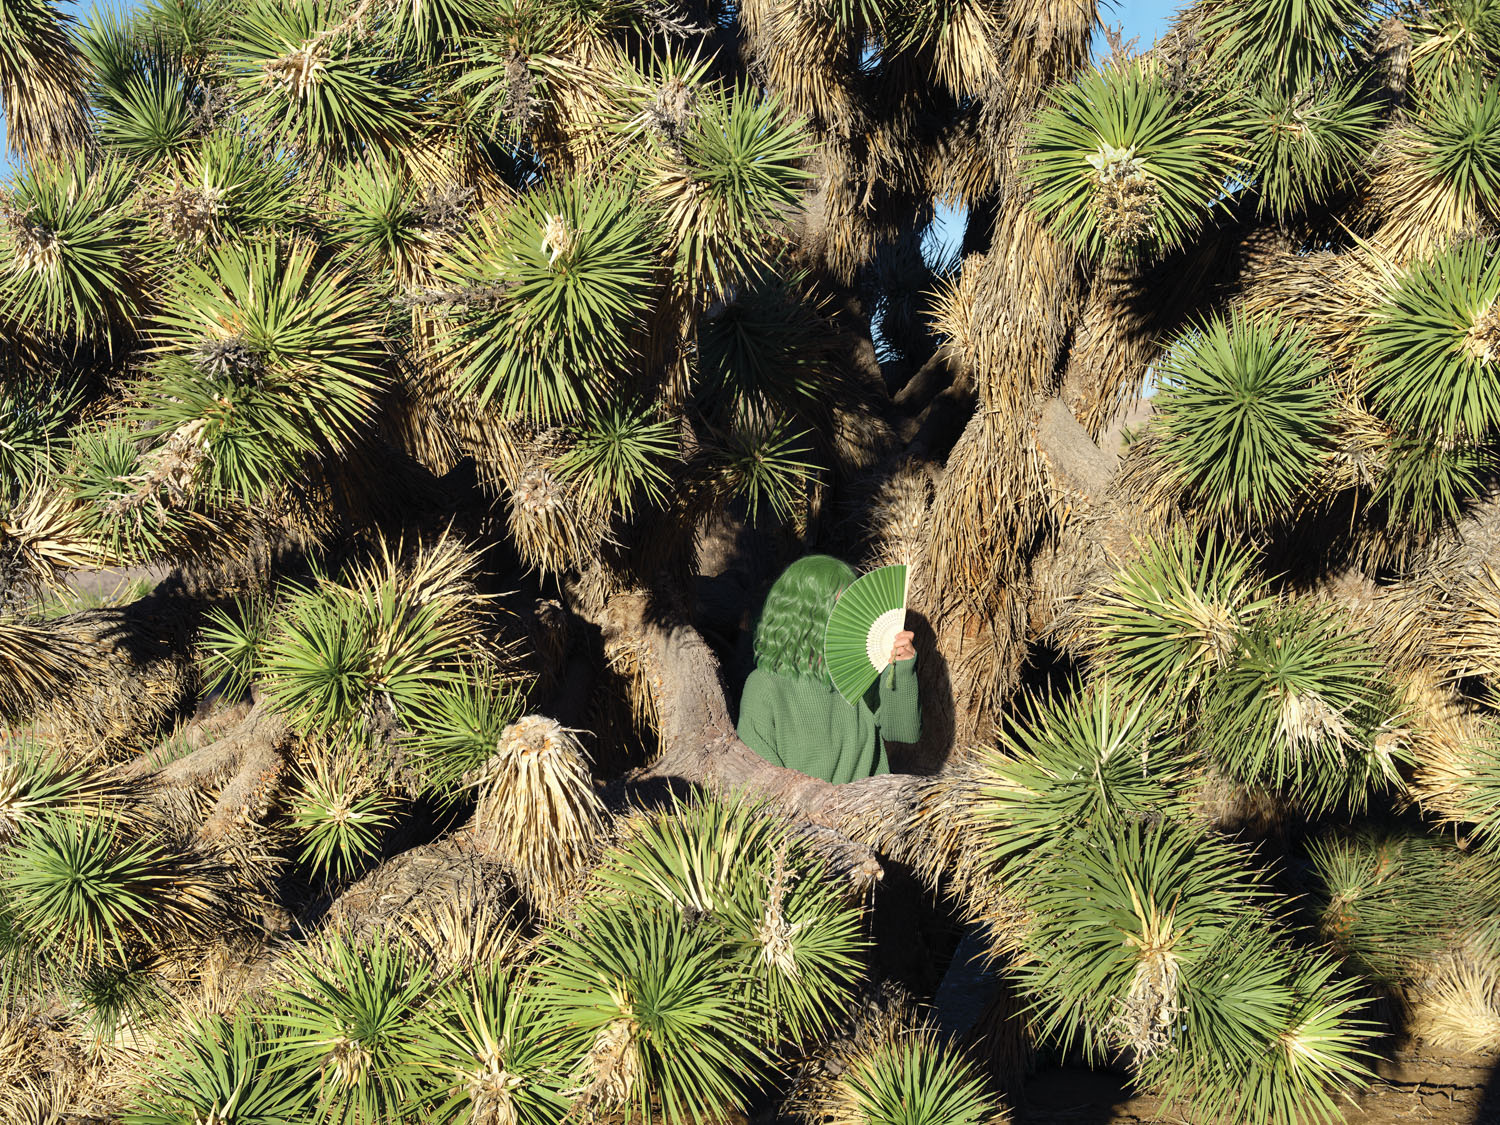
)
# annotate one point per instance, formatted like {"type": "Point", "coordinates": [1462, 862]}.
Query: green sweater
{"type": "Point", "coordinates": [807, 726]}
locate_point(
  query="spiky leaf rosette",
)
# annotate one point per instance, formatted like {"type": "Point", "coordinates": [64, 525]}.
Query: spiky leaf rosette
{"type": "Point", "coordinates": [1243, 418]}
{"type": "Point", "coordinates": [342, 813]}
{"type": "Point", "coordinates": [620, 454]}
{"type": "Point", "coordinates": [1304, 709]}
{"type": "Point", "coordinates": [1119, 920]}
{"type": "Point", "coordinates": [319, 669]}
{"type": "Point", "coordinates": [1440, 176]}
{"type": "Point", "coordinates": [907, 1078]}
{"type": "Point", "coordinates": [764, 351]}
{"type": "Point", "coordinates": [41, 80]}
{"type": "Point", "coordinates": [552, 296]}
{"type": "Point", "coordinates": [737, 176]}
{"type": "Point", "coordinates": [344, 1012]}
{"type": "Point", "coordinates": [315, 83]}
{"type": "Point", "coordinates": [492, 1054]}
{"type": "Point", "coordinates": [1269, 1035]}
{"type": "Point", "coordinates": [764, 466]}
{"type": "Point", "coordinates": [733, 865]}
{"type": "Point", "coordinates": [1089, 760]}
{"type": "Point", "coordinates": [667, 1029]}
{"type": "Point", "coordinates": [36, 784]}
{"type": "Point", "coordinates": [1432, 350]}
{"type": "Point", "coordinates": [1453, 42]}
{"type": "Point", "coordinates": [277, 357]}
{"type": "Point", "coordinates": [456, 728]}
{"type": "Point", "coordinates": [1306, 144]}
{"type": "Point", "coordinates": [1122, 165]}
{"type": "Point", "coordinates": [34, 414]}
{"type": "Point", "coordinates": [226, 1069]}
{"type": "Point", "coordinates": [1426, 483]}
{"type": "Point", "coordinates": [1173, 616]}
{"type": "Point", "coordinates": [150, 119]}
{"type": "Point", "coordinates": [1386, 901]}
{"type": "Point", "coordinates": [232, 646]}
{"type": "Point", "coordinates": [65, 247]}
{"type": "Point", "coordinates": [376, 220]}
{"type": "Point", "coordinates": [1285, 45]}
{"type": "Point", "coordinates": [538, 812]}
{"type": "Point", "coordinates": [85, 894]}
{"type": "Point", "coordinates": [225, 190]}
{"type": "Point", "coordinates": [131, 505]}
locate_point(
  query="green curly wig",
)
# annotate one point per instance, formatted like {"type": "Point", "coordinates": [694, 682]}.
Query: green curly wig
{"type": "Point", "coordinates": [789, 634]}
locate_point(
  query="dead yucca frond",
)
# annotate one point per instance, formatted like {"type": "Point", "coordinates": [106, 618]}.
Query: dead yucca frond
{"type": "Point", "coordinates": [459, 936]}
{"type": "Point", "coordinates": [538, 812]}
{"type": "Point", "coordinates": [800, 51]}
{"type": "Point", "coordinates": [42, 80]}
{"type": "Point", "coordinates": [1465, 634]}
{"type": "Point", "coordinates": [555, 524]}
{"type": "Point", "coordinates": [966, 49]}
{"type": "Point", "coordinates": [899, 516]}
{"type": "Point", "coordinates": [48, 533]}
{"type": "Point", "coordinates": [1147, 1015]}
{"type": "Point", "coordinates": [1358, 454]}
{"type": "Point", "coordinates": [36, 662]}
{"type": "Point", "coordinates": [1457, 1006]}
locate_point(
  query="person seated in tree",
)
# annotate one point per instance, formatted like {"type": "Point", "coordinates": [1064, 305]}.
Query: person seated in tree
{"type": "Point", "coordinates": [790, 712]}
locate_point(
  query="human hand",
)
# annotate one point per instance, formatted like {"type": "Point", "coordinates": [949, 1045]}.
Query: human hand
{"type": "Point", "coordinates": [903, 648]}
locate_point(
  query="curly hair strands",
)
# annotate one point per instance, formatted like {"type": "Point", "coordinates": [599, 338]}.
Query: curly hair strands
{"type": "Point", "coordinates": [789, 633]}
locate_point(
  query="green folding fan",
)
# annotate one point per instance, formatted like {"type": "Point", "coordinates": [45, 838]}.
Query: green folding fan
{"type": "Point", "coordinates": [862, 628]}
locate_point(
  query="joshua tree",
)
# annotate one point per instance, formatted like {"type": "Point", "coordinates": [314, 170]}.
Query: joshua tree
{"type": "Point", "coordinates": [461, 370]}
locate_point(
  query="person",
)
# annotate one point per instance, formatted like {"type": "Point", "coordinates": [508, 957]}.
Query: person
{"type": "Point", "coordinates": [790, 712]}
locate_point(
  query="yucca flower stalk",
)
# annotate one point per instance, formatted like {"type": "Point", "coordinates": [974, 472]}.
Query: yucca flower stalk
{"type": "Point", "coordinates": [1122, 165]}
{"type": "Point", "coordinates": [492, 1055]}
{"type": "Point", "coordinates": [1243, 418]}
{"type": "Point", "coordinates": [668, 1035]}
{"type": "Point", "coordinates": [1173, 616]}
{"type": "Point", "coordinates": [344, 1015]}
{"type": "Point", "coordinates": [550, 298]}
{"type": "Point", "coordinates": [226, 1069]}
{"type": "Point", "coordinates": [1304, 708]}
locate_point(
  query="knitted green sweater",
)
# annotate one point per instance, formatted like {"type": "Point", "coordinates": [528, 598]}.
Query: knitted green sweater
{"type": "Point", "coordinates": [806, 725]}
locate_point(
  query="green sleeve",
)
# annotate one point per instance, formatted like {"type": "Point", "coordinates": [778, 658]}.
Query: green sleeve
{"type": "Point", "coordinates": [900, 713]}
{"type": "Point", "coordinates": [757, 725]}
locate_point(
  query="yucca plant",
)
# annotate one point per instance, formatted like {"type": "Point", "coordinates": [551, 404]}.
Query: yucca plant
{"type": "Point", "coordinates": [492, 1054]}
{"type": "Point", "coordinates": [85, 894]}
{"type": "Point", "coordinates": [232, 645]}
{"type": "Point", "coordinates": [1306, 144]}
{"type": "Point", "coordinates": [1243, 418]}
{"type": "Point", "coordinates": [34, 414]}
{"type": "Point", "coordinates": [376, 219]}
{"type": "Point", "coordinates": [35, 663]}
{"type": "Point", "coordinates": [1122, 164]}
{"type": "Point", "coordinates": [1454, 42]}
{"type": "Point", "coordinates": [667, 1032]}
{"type": "Point", "coordinates": [1304, 709]}
{"type": "Point", "coordinates": [1428, 482]}
{"type": "Point", "coordinates": [763, 465]}
{"type": "Point", "coordinates": [272, 356]}
{"type": "Point", "coordinates": [225, 189]}
{"type": "Point", "coordinates": [1431, 348]}
{"type": "Point", "coordinates": [1287, 46]}
{"type": "Point", "coordinates": [737, 176]}
{"type": "Point", "coordinates": [733, 866]}
{"type": "Point", "coordinates": [37, 784]}
{"type": "Point", "coordinates": [341, 812]}
{"type": "Point", "coordinates": [1386, 900]}
{"type": "Point", "coordinates": [1094, 760]}
{"type": "Point", "coordinates": [550, 298]}
{"type": "Point", "coordinates": [66, 248]}
{"type": "Point", "coordinates": [319, 667]}
{"type": "Point", "coordinates": [909, 1078]}
{"type": "Point", "coordinates": [621, 453]}
{"type": "Point", "coordinates": [312, 85]}
{"type": "Point", "coordinates": [1173, 616]}
{"type": "Point", "coordinates": [344, 1015]}
{"type": "Point", "coordinates": [227, 1069]}
{"type": "Point", "coordinates": [115, 1002]}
